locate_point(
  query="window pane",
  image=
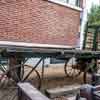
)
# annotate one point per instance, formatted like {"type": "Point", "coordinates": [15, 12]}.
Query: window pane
{"type": "Point", "coordinates": [62, 1]}
{"type": "Point", "coordinates": [72, 2]}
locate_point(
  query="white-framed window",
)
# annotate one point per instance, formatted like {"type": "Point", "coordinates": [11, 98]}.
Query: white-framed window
{"type": "Point", "coordinates": [71, 2]}
{"type": "Point", "coordinates": [74, 2]}
{"type": "Point", "coordinates": [62, 1]}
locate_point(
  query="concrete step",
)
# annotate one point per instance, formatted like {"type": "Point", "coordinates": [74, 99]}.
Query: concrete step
{"type": "Point", "coordinates": [65, 90]}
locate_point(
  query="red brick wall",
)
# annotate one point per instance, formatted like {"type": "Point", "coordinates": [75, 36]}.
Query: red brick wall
{"type": "Point", "coordinates": [38, 21]}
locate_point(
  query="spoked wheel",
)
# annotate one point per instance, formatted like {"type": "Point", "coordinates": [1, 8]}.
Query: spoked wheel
{"type": "Point", "coordinates": [87, 77]}
{"type": "Point", "coordinates": [98, 66]}
{"type": "Point", "coordinates": [8, 86]}
{"type": "Point", "coordinates": [71, 68]}
{"type": "Point", "coordinates": [34, 78]}
{"type": "Point", "coordinates": [89, 71]}
{"type": "Point", "coordinates": [9, 80]}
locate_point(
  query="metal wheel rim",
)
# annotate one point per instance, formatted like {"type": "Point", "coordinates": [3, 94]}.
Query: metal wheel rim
{"type": "Point", "coordinates": [12, 94]}
{"type": "Point", "coordinates": [70, 71]}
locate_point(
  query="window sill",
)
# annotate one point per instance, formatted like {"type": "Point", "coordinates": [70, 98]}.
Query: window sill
{"type": "Point", "coordinates": [66, 5]}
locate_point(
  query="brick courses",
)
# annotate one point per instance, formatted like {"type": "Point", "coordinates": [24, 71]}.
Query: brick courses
{"type": "Point", "coordinates": [38, 21]}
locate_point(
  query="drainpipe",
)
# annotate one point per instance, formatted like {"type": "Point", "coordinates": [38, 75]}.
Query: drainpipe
{"type": "Point", "coordinates": [83, 23]}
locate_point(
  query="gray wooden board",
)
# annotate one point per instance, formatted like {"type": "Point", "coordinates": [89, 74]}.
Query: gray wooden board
{"type": "Point", "coordinates": [65, 90]}
{"type": "Point", "coordinates": [31, 92]}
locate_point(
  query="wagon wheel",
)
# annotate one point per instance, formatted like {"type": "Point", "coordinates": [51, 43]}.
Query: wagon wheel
{"type": "Point", "coordinates": [8, 86]}
{"type": "Point", "coordinates": [34, 78]}
{"type": "Point", "coordinates": [98, 66]}
{"type": "Point", "coordinates": [89, 71]}
{"type": "Point", "coordinates": [71, 68]}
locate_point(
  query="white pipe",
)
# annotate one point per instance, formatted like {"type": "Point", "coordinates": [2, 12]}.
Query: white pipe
{"type": "Point", "coordinates": [84, 21]}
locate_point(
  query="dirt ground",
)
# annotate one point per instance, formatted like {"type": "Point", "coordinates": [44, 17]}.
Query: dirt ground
{"type": "Point", "coordinates": [54, 76]}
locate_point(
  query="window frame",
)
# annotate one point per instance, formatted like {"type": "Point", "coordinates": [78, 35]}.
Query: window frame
{"type": "Point", "coordinates": [75, 7]}
{"type": "Point", "coordinates": [76, 2]}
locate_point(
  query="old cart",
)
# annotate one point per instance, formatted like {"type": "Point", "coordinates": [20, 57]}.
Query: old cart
{"type": "Point", "coordinates": [85, 64]}
{"type": "Point", "coordinates": [26, 22]}
{"type": "Point", "coordinates": [17, 72]}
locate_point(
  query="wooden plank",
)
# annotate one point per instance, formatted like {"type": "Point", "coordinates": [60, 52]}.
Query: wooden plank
{"type": "Point", "coordinates": [31, 92]}
{"type": "Point", "coordinates": [60, 91]}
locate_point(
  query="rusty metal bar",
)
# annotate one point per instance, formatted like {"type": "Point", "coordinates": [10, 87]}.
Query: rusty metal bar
{"type": "Point", "coordinates": [42, 73]}
{"type": "Point", "coordinates": [33, 69]}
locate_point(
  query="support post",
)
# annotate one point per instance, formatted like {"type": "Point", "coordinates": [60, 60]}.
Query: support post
{"type": "Point", "coordinates": [95, 40]}
{"type": "Point", "coordinates": [20, 95]}
{"type": "Point", "coordinates": [42, 73]}
{"type": "Point", "coordinates": [15, 67]}
{"type": "Point", "coordinates": [85, 36]}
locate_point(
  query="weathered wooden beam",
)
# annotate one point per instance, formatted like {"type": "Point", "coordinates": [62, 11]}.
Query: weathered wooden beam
{"type": "Point", "coordinates": [28, 92]}
{"type": "Point", "coordinates": [61, 91]}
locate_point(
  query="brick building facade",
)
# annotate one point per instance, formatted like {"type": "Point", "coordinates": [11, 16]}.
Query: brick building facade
{"type": "Point", "coordinates": [39, 21]}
